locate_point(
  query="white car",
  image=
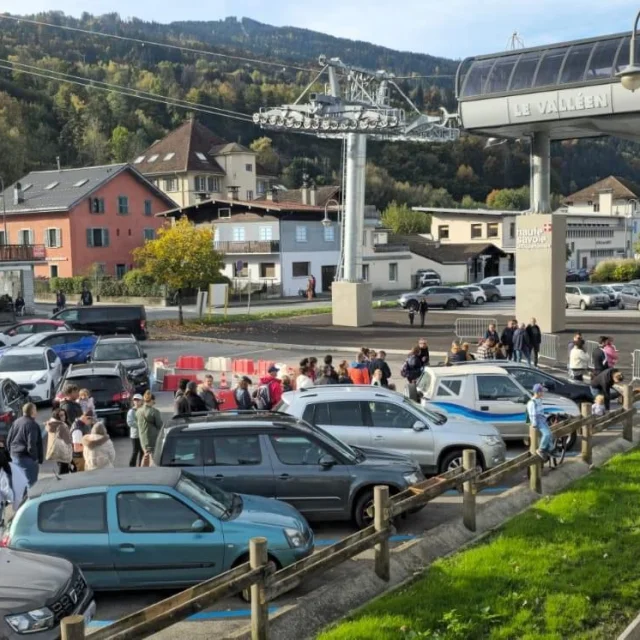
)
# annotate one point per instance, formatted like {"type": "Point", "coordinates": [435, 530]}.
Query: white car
{"type": "Point", "coordinates": [36, 370]}
{"type": "Point", "coordinates": [478, 293]}
{"type": "Point", "coordinates": [506, 285]}
{"type": "Point", "coordinates": [489, 394]}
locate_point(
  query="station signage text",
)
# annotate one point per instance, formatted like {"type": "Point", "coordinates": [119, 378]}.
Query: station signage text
{"type": "Point", "coordinates": [562, 105]}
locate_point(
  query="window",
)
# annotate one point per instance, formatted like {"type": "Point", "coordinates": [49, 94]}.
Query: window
{"type": "Point", "coordinates": [299, 269]}
{"type": "Point", "coordinates": [443, 232]}
{"type": "Point", "coordinates": [153, 158]}
{"type": "Point", "coordinates": [170, 184]}
{"type": "Point", "coordinates": [235, 451]}
{"type": "Point", "coordinates": [82, 182]}
{"type": "Point", "coordinates": [297, 450]}
{"type": "Point", "coordinates": [522, 77]}
{"type": "Point", "coordinates": [329, 234]}
{"type": "Point", "coordinates": [243, 272]}
{"type": "Point", "coordinates": [213, 184]}
{"type": "Point", "coordinates": [266, 233]}
{"type": "Point", "coordinates": [261, 187]}
{"type": "Point", "coordinates": [25, 236]}
{"type": "Point", "coordinates": [138, 160]}
{"type": "Point", "coordinates": [169, 156]}
{"type": "Point", "coordinates": [497, 388]}
{"type": "Point", "coordinates": [53, 238]}
{"type": "Point", "coordinates": [200, 183]}
{"type": "Point", "coordinates": [528, 378]}
{"type": "Point", "coordinates": [75, 514]}
{"type": "Point", "coordinates": [183, 451]}
{"type": "Point", "coordinates": [346, 414]}
{"type": "Point", "coordinates": [393, 272]}
{"type": "Point", "coordinates": [96, 205]}
{"type": "Point", "coordinates": [238, 234]}
{"type": "Point", "coordinates": [149, 234]}
{"type": "Point", "coordinates": [52, 185]}
{"type": "Point", "coordinates": [201, 156]}
{"type": "Point", "coordinates": [53, 269]}
{"type": "Point", "coordinates": [148, 210]}
{"type": "Point", "coordinates": [267, 269]}
{"type": "Point", "coordinates": [448, 388]}
{"type": "Point", "coordinates": [224, 213]}
{"type": "Point", "coordinates": [249, 194]}
{"type": "Point", "coordinates": [601, 64]}
{"type": "Point", "coordinates": [492, 230]}
{"type": "Point", "coordinates": [476, 231]}
{"type": "Point", "coordinates": [123, 205]}
{"type": "Point", "coordinates": [549, 68]}
{"type": "Point", "coordinates": [97, 237]}
{"type": "Point", "coordinates": [121, 269]}
{"type": "Point", "coordinates": [499, 78]}
{"type": "Point", "coordinates": [153, 512]}
{"type": "Point", "coordinates": [390, 416]}
{"type": "Point", "coordinates": [510, 280]}
{"type": "Point", "coordinates": [574, 66]}
{"type": "Point", "coordinates": [301, 233]}
{"type": "Point", "coordinates": [248, 167]}
{"type": "Point", "coordinates": [512, 230]}
{"type": "Point", "coordinates": [4, 239]}
{"type": "Point", "coordinates": [365, 272]}
{"type": "Point", "coordinates": [596, 207]}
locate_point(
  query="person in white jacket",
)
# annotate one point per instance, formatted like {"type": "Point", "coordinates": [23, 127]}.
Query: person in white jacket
{"type": "Point", "coordinates": [579, 361]}
{"type": "Point", "coordinates": [98, 449]}
{"type": "Point", "coordinates": [13, 483]}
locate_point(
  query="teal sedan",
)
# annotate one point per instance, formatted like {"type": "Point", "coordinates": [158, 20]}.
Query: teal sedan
{"type": "Point", "coordinates": [153, 527]}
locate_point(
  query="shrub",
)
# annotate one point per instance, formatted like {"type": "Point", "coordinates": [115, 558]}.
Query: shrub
{"type": "Point", "coordinates": [616, 271]}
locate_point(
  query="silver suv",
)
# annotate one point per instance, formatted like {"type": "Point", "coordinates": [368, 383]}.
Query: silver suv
{"type": "Point", "coordinates": [586, 297]}
{"type": "Point", "coordinates": [447, 297]}
{"type": "Point", "coordinates": [376, 417]}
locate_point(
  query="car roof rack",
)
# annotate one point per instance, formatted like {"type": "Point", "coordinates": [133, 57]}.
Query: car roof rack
{"type": "Point", "coordinates": [199, 417]}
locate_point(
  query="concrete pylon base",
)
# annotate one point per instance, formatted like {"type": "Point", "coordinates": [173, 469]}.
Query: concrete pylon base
{"type": "Point", "coordinates": [351, 303]}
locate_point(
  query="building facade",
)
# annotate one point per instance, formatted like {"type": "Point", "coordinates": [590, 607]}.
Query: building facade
{"type": "Point", "coordinates": [192, 164]}
{"type": "Point", "coordinates": [83, 217]}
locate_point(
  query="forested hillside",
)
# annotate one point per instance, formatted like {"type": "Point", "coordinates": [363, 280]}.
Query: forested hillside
{"type": "Point", "coordinates": [41, 118]}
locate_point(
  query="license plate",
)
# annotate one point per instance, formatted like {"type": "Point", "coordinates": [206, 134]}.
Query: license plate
{"type": "Point", "coordinates": [89, 613]}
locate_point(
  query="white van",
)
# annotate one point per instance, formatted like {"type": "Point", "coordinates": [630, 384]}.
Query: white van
{"type": "Point", "coordinates": [506, 285]}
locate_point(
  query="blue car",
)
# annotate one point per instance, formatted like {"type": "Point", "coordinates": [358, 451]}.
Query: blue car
{"type": "Point", "coordinates": [72, 347]}
{"type": "Point", "coordinates": [157, 527]}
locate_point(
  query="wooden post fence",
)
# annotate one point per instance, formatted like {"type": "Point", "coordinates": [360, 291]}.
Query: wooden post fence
{"type": "Point", "coordinates": [469, 491]}
{"type": "Point", "coordinates": [535, 470]}
{"type": "Point", "coordinates": [587, 435]}
{"type": "Point", "coordinates": [627, 403]}
{"type": "Point", "coordinates": [258, 558]}
{"type": "Point", "coordinates": [72, 628]}
{"type": "Point", "coordinates": [381, 519]}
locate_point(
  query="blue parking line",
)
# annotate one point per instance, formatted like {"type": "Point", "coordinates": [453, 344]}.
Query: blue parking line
{"type": "Point", "coordinates": [197, 617]}
{"type": "Point", "coordinates": [326, 542]}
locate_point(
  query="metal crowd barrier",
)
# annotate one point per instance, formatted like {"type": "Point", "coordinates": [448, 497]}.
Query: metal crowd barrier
{"type": "Point", "coordinates": [549, 346]}
{"type": "Point", "coordinates": [472, 328]}
{"type": "Point", "coordinates": [635, 356]}
{"type": "Point", "coordinates": [590, 346]}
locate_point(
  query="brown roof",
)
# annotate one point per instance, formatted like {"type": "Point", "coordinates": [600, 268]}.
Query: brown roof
{"type": "Point", "coordinates": [186, 143]}
{"type": "Point", "coordinates": [294, 196]}
{"type": "Point", "coordinates": [621, 189]}
{"type": "Point", "coordinates": [446, 253]}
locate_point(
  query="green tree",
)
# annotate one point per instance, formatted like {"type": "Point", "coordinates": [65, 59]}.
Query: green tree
{"type": "Point", "coordinates": [402, 220]}
{"type": "Point", "coordinates": [509, 199]}
{"type": "Point", "coordinates": [122, 143]}
{"type": "Point", "coordinates": [181, 257]}
{"type": "Point", "coordinates": [12, 139]}
{"type": "Point", "coordinates": [267, 155]}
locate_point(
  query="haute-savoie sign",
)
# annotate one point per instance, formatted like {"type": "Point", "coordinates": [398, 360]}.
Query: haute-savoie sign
{"type": "Point", "coordinates": [536, 238]}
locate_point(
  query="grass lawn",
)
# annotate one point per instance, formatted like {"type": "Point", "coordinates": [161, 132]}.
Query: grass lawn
{"type": "Point", "coordinates": [566, 568]}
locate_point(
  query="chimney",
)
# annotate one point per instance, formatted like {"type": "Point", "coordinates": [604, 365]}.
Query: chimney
{"type": "Point", "coordinates": [18, 194]}
{"type": "Point", "coordinates": [305, 188]}
{"type": "Point", "coordinates": [313, 194]}
{"type": "Point", "coordinates": [272, 194]}
{"type": "Point", "coordinates": [232, 193]}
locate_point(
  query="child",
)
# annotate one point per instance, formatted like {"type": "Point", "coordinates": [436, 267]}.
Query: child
{"type": "Point", "coordinates": [611, 354]}
{"type": "Point", "coordinates": [377, 378]}
{"type": "Point", "coordinates": [86, 402]}
{"type": "Point", "coordinates": [597, 408]}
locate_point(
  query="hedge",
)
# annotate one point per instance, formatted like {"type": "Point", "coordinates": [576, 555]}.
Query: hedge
{"type": "Point", "coordinates": [616, 271]}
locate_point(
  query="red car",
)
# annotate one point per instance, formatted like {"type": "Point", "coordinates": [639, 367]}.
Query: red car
{"type": "Point", "coordinates": [20, 330]}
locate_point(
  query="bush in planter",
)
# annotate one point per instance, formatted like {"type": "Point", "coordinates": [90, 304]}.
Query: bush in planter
{"type": "Point", "coordinates": [67, 285]}
{"type": "Point", "coordinates": [139, 284]}
{"type": "Point", "coordinates": [626, 270]}
{"type": "Point", "coordinates": [604, 271]}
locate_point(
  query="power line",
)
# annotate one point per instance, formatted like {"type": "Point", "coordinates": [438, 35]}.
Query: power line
{"type": "Point", "coordinates": [154, 44]}
{"type": "Point", "coordinates": [435, 75]}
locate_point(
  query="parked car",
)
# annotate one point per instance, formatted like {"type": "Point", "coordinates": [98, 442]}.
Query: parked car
{"type": "Point", "coordinates": [446, 297]}
{"type": "Point", "coordinates": [585, 297]}
{"type": "Point", "coordinates": [37, 591]}
{"type": "Point", "coordinates": [492, 293]}
{"type": "Point", "coordinates": [377, 417]}
{"type": "Point", "coordinates": [20, 330]}
{"type": "Point", "coordinates": [478, 294]}
{"type": "Point", "coordinates": [468, 296]}
{"type": "Point", "coordinates": [153, 528]}
{"type": "Point", "coordinates": [127, 351]}
{"type": "Point", "coordinates": [107, 319]}
{"type": "Point", "coordinates": [428, 278]}
{"type": "Point", "coordinates": [36, 370]}
{"type": "Point", "coordinates": [630, 297]}
{"type": "Point", "coordinates": [12, 398]}
{"type": "Point", "coordinates": [110, 388]}
{"type": "Point", "coordinates": [72, 347]}
{"type": "Point", "coordinates": [612, 295]}
{"type": "Point", "coordinates": [278, 456]}
{"type": "Point", "coordinates": [506, 285]}
{"type": "Point", "coordinates": [572, 276]}
{"type": "Point", "coordinates": [613, 289]}
{"type": "Point", "coordinates": [489, 394]}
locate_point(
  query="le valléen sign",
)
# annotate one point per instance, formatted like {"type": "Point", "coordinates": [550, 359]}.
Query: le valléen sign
{"type": "Point", "coordinates": [580, 102]}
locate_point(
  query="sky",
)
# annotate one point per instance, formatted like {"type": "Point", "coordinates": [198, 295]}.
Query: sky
{"type": "Point", "coordinates": [448, 28]}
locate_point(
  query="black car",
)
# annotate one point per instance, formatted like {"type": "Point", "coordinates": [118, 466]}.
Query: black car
{"type": "Point", "coordinates": [110, 389]}
{"type": "Point", "coordinates": [107, 319]}
{"type": "Point", "coordinates": [127, 351]}
{"type": "Point", "coordinates": [12, 397]}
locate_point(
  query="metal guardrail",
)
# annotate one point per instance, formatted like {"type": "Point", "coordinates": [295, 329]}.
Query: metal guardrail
{"type": "Point", "coordinates": [590, 346]}
{"type": "Point", "coordinates": [472, 328]}
{"type": "Point", "coordinates": [549, 346]}
{"type": "Point", "coordinates": [635, 357]}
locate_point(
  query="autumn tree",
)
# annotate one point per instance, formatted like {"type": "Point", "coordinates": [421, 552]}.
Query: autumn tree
{"type": "Point", "coordinates": [181, 257]}
{"type": "Point", "coordinates": [266, 155]}
{"type": "Point", "coordinates": [402, 220]}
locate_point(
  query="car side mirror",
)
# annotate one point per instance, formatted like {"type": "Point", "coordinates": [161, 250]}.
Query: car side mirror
{"type": "Point", "coordinates": [199, 526]}
{"type": "Point", "coordinates": [418, 426]}
{"type": "Point", "coordinates": [144, 354]}
{"type": "Point", "coordinates": [327, 461]}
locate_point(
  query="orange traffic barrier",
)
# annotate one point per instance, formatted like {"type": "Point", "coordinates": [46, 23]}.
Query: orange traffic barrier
{"type": "Point", "coordinates": [190, 363]}
{"type": "Point", "coordinates": [171, 380]}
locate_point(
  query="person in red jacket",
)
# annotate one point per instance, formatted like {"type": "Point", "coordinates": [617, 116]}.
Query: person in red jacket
{"type": "Point", "coordinates": [274, 385]}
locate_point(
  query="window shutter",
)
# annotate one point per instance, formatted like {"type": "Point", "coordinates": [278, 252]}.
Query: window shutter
{"type": "Point", "coordinates": [105, 237]}
{"type": "Point", "coordinates": [58, 237]}
{"type": "Point", "coordinates": [30, 236]}
{"type": "Point", "coordinates": [90, 201]}
{"type": "Point", "coordinates": [89, 237]}
{"type": "Point", "coordinates": [46, 238]}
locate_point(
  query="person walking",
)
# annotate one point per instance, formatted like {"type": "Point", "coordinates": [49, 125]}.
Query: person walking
{"type": "Point", "coordinates": [86, 298]}
{"type": "Point", "coordinates": [412, 316]}
{"type": "Point", "coordinates": [24, 443]}
{"type": "Point", "coordinates": [61, 301]}
{"type": "Point", "coordinates": [99, 452]}
{"type": "Point", "coordinates": [149, 425]}
{"type": "Point", "coordinates": [537, 417]}
{"type": "Point", "coordinates": [241, 394]}
{"type": "Point", "coordinates": [521, 348]}
{"type": "Point", "coordinates": [603, 382]}
{"type": "Point", "coordinates": [535, 339]}
{"type": "Point", "coordinates": [132, 422]}
{"type": "Point", "coordinates": [599, 357]}
{"type": "Point", "coordinates": [578, 361]}
{"type": "Point", "coordinates": [69, 403]}
{"type": "Point", "coordinates": [269, 392]}
{"type": "Point", "coordinates": [423, 308]}
{"type": "Point", "coordinates": [19, 304]}
{"type": "Point", "coordinates": [59, 443]}
{"type": "Point", "coordinates": [506, 338]}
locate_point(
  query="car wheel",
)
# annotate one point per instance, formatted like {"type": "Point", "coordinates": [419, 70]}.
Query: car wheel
{"type": "Point", "coordinates": [465, 303]}
{"type": "Point", "coordinates": [621, 305]}
{"type": "Point", "coordinates": [605, 307]}
{"type": "Point", "coordinates": [451, 304]}
{"type": "Point", "coordinates": [360, 515]}
{"type": "Point", "coordinates": [453, 460]}
{"type": "Point", "coordinates": [412, 305]}
{"type": "Point", "coordinates": [480, 300]}
{"type": "Point", "coordinates": [583, 305]}
{"type": "Point", "coordinates": [495, 298]}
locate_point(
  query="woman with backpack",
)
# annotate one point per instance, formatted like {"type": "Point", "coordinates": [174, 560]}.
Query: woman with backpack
{"type": "Point", "coordinates": [242, 396]}
{"type": "Point", "coordinates": [412, 368]}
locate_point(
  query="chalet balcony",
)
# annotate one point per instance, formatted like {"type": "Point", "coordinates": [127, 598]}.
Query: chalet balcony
{"type": "Point", "coordinates": [395, 247]}
{"type": "Point", "coordinates": [22, 252]}
{"type": "Point", "coordinates": [250, 246]}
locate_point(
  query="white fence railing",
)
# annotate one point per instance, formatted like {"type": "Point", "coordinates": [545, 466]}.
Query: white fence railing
{"type": "Point", "coordinates": [472, 328]}
{"type": "Point", "coordinates": [549, 346]}
{"type": "Point", "coordinates": [635, 375]}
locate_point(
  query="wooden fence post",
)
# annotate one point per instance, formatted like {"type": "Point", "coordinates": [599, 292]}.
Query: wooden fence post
{"type": "Point", "coordinates": [627, 403]}
{"type": "Point", "coordinates": [468, 491]}
{"type": "Point", "coordinates": [587, 435]}
{"type": "Point", "coordinates": [72, 628]}
{"type": "Point", "coordinates": [535, 470]}
{"type": "Point", "coordinates": [259, 611]}
{"type": "Point", "coordinates": [381, 523]}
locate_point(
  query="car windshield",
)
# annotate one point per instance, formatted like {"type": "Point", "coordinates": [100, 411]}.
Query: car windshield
{"type": "Point", "coordinates": [97, 384]}
{"type": "Point", "coordinates": [588, 290]}
{"type": "Point", "coordinates": [212, 499]}
{"type": "Point", "coordinates": [343, 448]}
{"type": "Point", "coordinates": [35, 362]}
{"type": "Point", "coordinates": [434, 417]}
{"type": "Point", "coordinates": [116, 351]}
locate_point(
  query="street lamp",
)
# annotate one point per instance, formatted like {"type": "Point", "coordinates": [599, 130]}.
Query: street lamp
{"type": "Point", "coordinates": [630, 75]}
{"type": "Point", "coordinates": [326, 221]}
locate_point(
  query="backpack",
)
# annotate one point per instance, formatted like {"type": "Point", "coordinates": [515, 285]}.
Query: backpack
{"type": "Point", "coordinates": [404, 371]}
{"type": "Point", "coordinates": [263, 397]}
